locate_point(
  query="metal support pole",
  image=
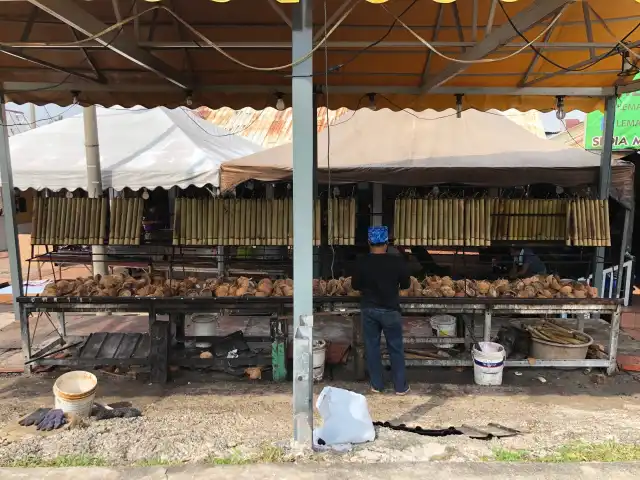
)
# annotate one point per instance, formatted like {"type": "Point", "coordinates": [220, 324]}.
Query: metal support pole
{"type": "Point", "coordinates": [94, 177]}
{"type": "Point", "coordinates": [304, 129]}
{"type": "Point", "coordinates": [624, 243]}
{"type": "Point", "coordinates": [486, 336]}
{"type": "Point", "coordinates": [605, 179]}
{"type": "Point", "coordinates": [62, 324]}
{"type": "Point", "coordinates": [613, 341]}
{"type": "Point", "coordinates": [9, 211]}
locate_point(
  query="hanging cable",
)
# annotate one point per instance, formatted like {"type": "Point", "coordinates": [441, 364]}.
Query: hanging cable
{"type": "Point", "coordinates": [328, 120]}
{"type": "Point", "coordinates": [561, 67]}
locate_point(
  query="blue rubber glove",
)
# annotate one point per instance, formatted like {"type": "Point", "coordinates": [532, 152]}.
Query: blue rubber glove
{"type": "Point", "coordinates": [53, 420]}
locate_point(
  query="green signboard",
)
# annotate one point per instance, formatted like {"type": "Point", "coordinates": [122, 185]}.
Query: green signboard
{"type": "Point", "coordinates": [626, 133]}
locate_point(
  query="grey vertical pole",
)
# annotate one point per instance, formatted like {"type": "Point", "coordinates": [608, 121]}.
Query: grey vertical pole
{"type": "Point", "coordinates": [605, 179]}
{"type": "Point", "coordinates": [303, 131]}
{"type": "Point", "coordinates": [33, 123]}
{"type": "Point", "coordinates": [624, 243]}
{"type": "Point", "coordinates": [11, 231]}
{"type": "Point", "coordinates": [9, 201]}
{"type": "Point", "coordinates": [94, 177]}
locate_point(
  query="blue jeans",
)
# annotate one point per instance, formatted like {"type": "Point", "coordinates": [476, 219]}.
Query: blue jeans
{"type": "Point", "coordinates": [374, 322]}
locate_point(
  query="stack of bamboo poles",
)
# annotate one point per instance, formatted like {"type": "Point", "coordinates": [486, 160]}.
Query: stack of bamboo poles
{"type": "Point", "coordinates": [69, 221]}
{"type": "Point", "coordinates": [125, 223]}
{"type": "Point", "coordinates": [256, 221]}
{"type": "Point", "coordinates": [529, 219]}
{"type": "Point", "coordinates": [588, 223]}
{"type": "Point", "coordinates": [552, 332]}
{"type": "Point", "coordinates": [442, 222]}
{"type": "Point", "coordinates": [341, 215]}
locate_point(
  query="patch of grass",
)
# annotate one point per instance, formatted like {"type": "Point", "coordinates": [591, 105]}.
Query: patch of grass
{"type": "Point", "coordinates": [155, 462]}
{"type": "Point", "coordinates": [575, 452]}
{"type": "Point", "coordinates": [272, 454]}
{"type": "Point", "coordinates": [59, 462]}
{"type": "Point", "coordinates": [236, 458]}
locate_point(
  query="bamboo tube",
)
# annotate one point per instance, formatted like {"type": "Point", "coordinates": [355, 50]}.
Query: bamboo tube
{"type": "Point", "coordinates": [567, 223]}
{"type": "Point", "coordinates": [126, 215]}
{"type": "Point", "coordinates": [449, 221]}
{"type": "Point", "coordinates": [196, 220]}
{"type": "Point", "coordinates": [345, 221]}
{"type": "Point", "coordinates": [82, 216]}
{"type": "Point", "coordinates": [231, 213]}
{"type": "Point", "coordinates": [73, 220]}
{"type": "Point", "coordinates": [56, 220]}
{"type": "Point", "coordinates": [281, 222]}
{"type": "Point", "coordinates": [478, 220]}
{"type": "Point", "coordinates": [209, 216]}
{"type": "Point", "coordinates": [484, 241]}
{"type": "Point", "coordinates": [258, 222]}
{"type": "Point", "coordinates": [178, 222]}
{"type": "Point", "coordinates": [584, 222]}
{"type": "Point", "coordinates": [454, 222]}
{"type": "Point", "coordinates": [237, 229]}
{"type": "Point", "coordinates": [499, 219]}
{"type": "Point", "coordinates": [592, 222]}
{"type": "Point", "coordinates": [574, 223]}
{"type": "Point", "coordinates": [435, 221]}
{"type": "Point", "coordinates": [90, 216]}
{"type": "Point", "coordinates": [352, 221]}
{"type": "Point", "coordinates": [94, 218]}
{"type": "Point", "coordinates": [137, 230]}
{"type": "Point", "coordinates": [117, 212]}
{"type": "Point", "coordinates": [428, 221]}
{"type": "Point", "coordinates": [35, 223]}
{"type": "Point", "coordinates": [466, 233]}
{"type": "Point", "coordinates": [533, 219]}
{"type": "Point", "coordinates": [600, 222]}
{"type": "Point", "coordinates": [186, 214]}
{"type": "Point", "coordinates": [317, 221]}
{"type": "Point", "coordinates": [77, 230]}
{"type": "Point", "coordinates": [66, 221]}
{"type": "Point", "coordinates": [554, 219]}
{"type": "Point", "coordinates": [290, 235]}
{"type": "Point", "coordinates": [587, 222]}
{"type": "Point", "coordinates": [49, 222]}
{"type": "Point", "coordinates": [84, 221]}
{"type": "Point", "coordinates": [540, 220]}
{"type": "Point", "coordinates": [241, 219]}
{"type": "Point", "coordinates": [425, 222]}
{"type": "Point", "coordinates": [560, 219]}
{"type": "Point", "coordinates": [251, 226]}
{"type": "Point", "coordinates": [461, 210]}
{"type": "Point", "coordinates": [112, 220]}
{"type": "Point", "coordinates": [38, 222]}
{"type": "Point", "coordinates": [399, 221]}
{"type": "Point", "coordinates": [103, 221]}
{"type": "Point", "coordinates": [529, 234]}
{"type": "Point", "coordinates": [579, 217]}
{"type": "Point", "coordinates": [413, 212]}
{"type": "Point", "coordinates": [446, 226]}
{"type": "Point", "coordinates": [506, 220]}
{"type": "Point", "coordinates": [509, 227]}
{"type": "Point", "coordinates": [487, 221]}
{"type": "Point", "coordinates": [218, 212]}
{"type": "Point", "coordinates": [406, 212]}
{"type": "Point", "coordinates": [396, 218]}
{"type": "Point", "coordinates": [419, 222]}
{"type": "Point", "coordinates": [268, 211]}
{"type": "Point", "coordinates": [135, 220]}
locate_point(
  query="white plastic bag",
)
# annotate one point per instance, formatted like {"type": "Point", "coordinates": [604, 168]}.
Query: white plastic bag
{"type": "Point", "coordinates": [345, 417]}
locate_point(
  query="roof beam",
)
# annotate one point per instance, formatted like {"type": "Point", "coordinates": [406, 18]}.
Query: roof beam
{"type": "Point", "coordinates": [523, 20]}
{"type": "Point", "coordinates": [427, 63]}
{"type": "Point", "coordinates": [359, 89]}
{"type": "Point", "coordinates": [535, 59]}
{"type": "Point", "coordinates": [70, 13]}
{"type": "Point", "coordinates": [278, 9]}
{"type": "Point", "coordinates": [581, 64]}
{"type": "Point", "coordinates": [588, 26]}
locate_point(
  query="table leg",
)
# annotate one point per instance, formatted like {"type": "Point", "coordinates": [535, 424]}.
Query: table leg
{"type": "Point", "coordinates": [613, 341]}
{"type": "Point", "coordinates": [62, 324]}
{"type": "Point", "coordinates": [159, 349]}
{"type": "Point", "coordinates": [358, 347]}
{"type": "Point", "coordinates": [26, 338]}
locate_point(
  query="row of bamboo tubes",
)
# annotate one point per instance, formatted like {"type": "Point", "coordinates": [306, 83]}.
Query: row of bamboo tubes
{"type": "Point", "coordinates": [442, 222]}
{"type": "Point", "coordinates": [68, 221]}
{"type": "Point", "coordinates": [341, 216]}
{"type": "Point", "coordinates": [125, 222]}
{"type": "Point", "coordinates": [529, 219]}
{"type": "Point", "coordinates": [230, 221]}
{"type": "Point", "coordinates": [588, 223]}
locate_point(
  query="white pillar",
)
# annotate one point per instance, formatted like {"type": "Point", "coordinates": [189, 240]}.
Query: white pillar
{"type": "Point", "coordinates": [94, 177]}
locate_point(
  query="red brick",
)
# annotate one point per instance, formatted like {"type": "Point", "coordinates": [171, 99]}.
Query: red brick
{"type": "Point", "coordinates": [629, 363]}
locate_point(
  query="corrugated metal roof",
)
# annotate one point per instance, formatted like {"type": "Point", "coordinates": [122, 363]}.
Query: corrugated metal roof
{"type": "Point", "coordinates": [268, 127]}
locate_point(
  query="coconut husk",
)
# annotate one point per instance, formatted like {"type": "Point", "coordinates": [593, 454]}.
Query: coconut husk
{"type": "Point", "coordinates": [110, 281]}
{"type": "Point", "coordinates": [288, 282]}
{"type": "Point", "coordinates": [592, 292]}
{"type": "Point", "coordinates": [459, 294]}
{"type": "Point", "coordinates": [354, 293]}
{"type": "Point", "coordinates": [431, 293]}
{"type": "Point", "coordinates": [493, 292]}
{"type": "Point", "coordinates": [447, 281]}
{"type": "Point", "coordinates": [580, 293]}
{"type": "Point", "coordinates": [49, 291]}
{"type": "Point", "coordinates": [404, 293]}
{"type": "Point", "coordinates": [192, 292]}
{"type": "Point", "coordinates": [145, 291]}
{"type": "Point", "coordinates": [333, 286]}
{"type": "Point", "coordinates": [158, 279]}
{"type": "Point", "coordinates": [222, 290]}
{"type": "Point", "coordinates": [233, 291]}
{"type": "Point", "coordinates": [243, 282]}
{"type": "Point", "coordinates": [565, 289]}
{"type": "Point", "coordinates": [125, 292]}
{"type": "Point", "coordinates": [287, 291]}
{"type": "Point", "coordinates": [433, 282]}
{"type": "Point", "coordinates": [206, 292]}
{"type": "Point", "coordinates": [447, 291]}
{"type": "Point", "coordinates": [261, 294]}
{"type": "Point", "coordinates": [64, 287]}
{"type": "Point", "coordinates": [483, 287]}
{"type": "Point", "coordinates": [529, 291]}
{"type": "Point", "coordinates": [190, 282]}
{"type": "Point", "coordinates": [501, 285]}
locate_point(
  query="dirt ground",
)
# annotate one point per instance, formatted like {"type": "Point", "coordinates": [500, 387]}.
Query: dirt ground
{"type": "Point", "coordinates": [201, 417]}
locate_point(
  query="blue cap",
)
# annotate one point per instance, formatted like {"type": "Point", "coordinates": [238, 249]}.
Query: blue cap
{"type": "Point", "coordinates": [378, 235]}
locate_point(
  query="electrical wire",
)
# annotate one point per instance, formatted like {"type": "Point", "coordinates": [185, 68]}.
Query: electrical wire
{"type": "Point", "coordinates": [35, 122]}
{"type": "Point", "coordinates": [570, 69]}
{"type": "Point", "coordinates": [480, 60]}
{"type": "Point", "coordinates": [568, 131]}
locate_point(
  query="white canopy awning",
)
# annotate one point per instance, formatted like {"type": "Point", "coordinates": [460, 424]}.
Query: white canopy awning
{"type": "Point", "coordinates": [138, 148]}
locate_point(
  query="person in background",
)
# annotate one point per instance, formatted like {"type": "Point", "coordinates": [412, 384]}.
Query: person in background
{"type": "Point", "coordinates": [379, 276]}
{"type": "Point", "coordinates": [526, 263]}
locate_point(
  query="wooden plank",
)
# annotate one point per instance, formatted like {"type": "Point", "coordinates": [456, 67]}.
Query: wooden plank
{"type": "Point", "coordinates": [142, 350]}
{"type": "Point", "coordinates": [128, 345]}
{"type": "Point", "coordinates": [110, 345]}
{"type": "Point", "coordinates": [92, 347]}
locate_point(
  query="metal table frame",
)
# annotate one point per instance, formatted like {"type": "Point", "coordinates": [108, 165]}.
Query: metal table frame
{"type": "Point", "coordinates": [163, 311]}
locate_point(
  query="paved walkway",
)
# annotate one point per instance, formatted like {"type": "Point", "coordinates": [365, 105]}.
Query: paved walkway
{"type": "Point", "coordinates": [434, 470]}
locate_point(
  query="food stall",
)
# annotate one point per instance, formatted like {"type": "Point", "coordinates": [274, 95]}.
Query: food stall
{"type": "Point", "coordinates": [465, 215]}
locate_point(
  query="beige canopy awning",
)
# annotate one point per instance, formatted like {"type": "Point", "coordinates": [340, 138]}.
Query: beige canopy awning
{"type": "Point", "coordinates": [427, 148]}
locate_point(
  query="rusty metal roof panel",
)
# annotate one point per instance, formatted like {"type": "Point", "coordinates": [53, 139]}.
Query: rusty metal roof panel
{"type": "Point", "coordinates": [268, 127]}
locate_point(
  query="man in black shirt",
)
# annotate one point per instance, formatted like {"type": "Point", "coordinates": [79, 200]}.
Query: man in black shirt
{"type": "Point", "coordinates": [379, 276]}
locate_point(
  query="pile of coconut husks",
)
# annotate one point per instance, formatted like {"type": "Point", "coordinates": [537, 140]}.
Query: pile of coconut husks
{"type": "Point", "coordinates": [157, 285]}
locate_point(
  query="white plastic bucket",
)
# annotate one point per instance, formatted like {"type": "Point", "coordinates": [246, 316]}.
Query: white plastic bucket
{"type": "Point", "coordinates": [319, 353]}
{"type": "Point", "coordinates": [444, 326]}
{"type": "Point", "coordinates": [74, 393]}
{"type": "Point", "coordinates": [488, 363]}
